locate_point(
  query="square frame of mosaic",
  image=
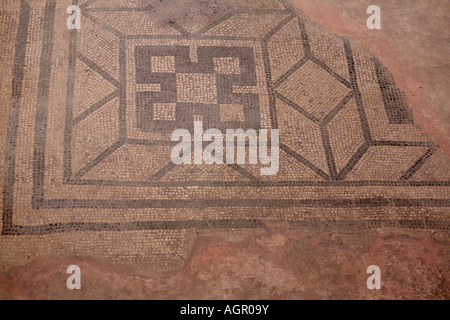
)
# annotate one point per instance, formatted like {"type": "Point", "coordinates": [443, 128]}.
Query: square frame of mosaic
{"type": "Point", "coordinates": [353, 193]}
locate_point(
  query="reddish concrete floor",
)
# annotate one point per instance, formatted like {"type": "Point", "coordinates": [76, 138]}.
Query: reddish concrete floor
{"type": "Point", "coordinates": [272, 264]}
{"type": "Point", "coordinates": [413, 43]}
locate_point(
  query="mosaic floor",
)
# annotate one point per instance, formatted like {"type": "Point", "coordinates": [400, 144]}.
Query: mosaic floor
{"type": "Point", "coordinates": [87, 159]}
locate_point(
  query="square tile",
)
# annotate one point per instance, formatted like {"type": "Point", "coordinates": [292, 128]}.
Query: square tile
{"type": "Point", "coordinates": [163, 64]}
{"type": "Point", "coordinates": [197, 88]}
{"type": "Point", "coordinates": [229, 65]}
{"type": "Point", "coordinates": [164, 111]}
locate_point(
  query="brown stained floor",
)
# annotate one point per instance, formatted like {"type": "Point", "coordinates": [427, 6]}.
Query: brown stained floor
{"type": "Point", "coordinates": [359, 184]}
{"type": "Point", "coordinates": [272, 264]}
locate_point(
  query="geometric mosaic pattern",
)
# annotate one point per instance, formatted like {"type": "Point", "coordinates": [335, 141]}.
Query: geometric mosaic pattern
{"type": "Point", "coordinates": [88, 149]}
{"type": "Point", "coordinates": [179, 95]}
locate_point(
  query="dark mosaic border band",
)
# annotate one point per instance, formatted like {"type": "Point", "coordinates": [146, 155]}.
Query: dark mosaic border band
{"type": "Point", "coordinates": [17, 84]}
{"type": "Point", "coordinates": [221, 225]}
